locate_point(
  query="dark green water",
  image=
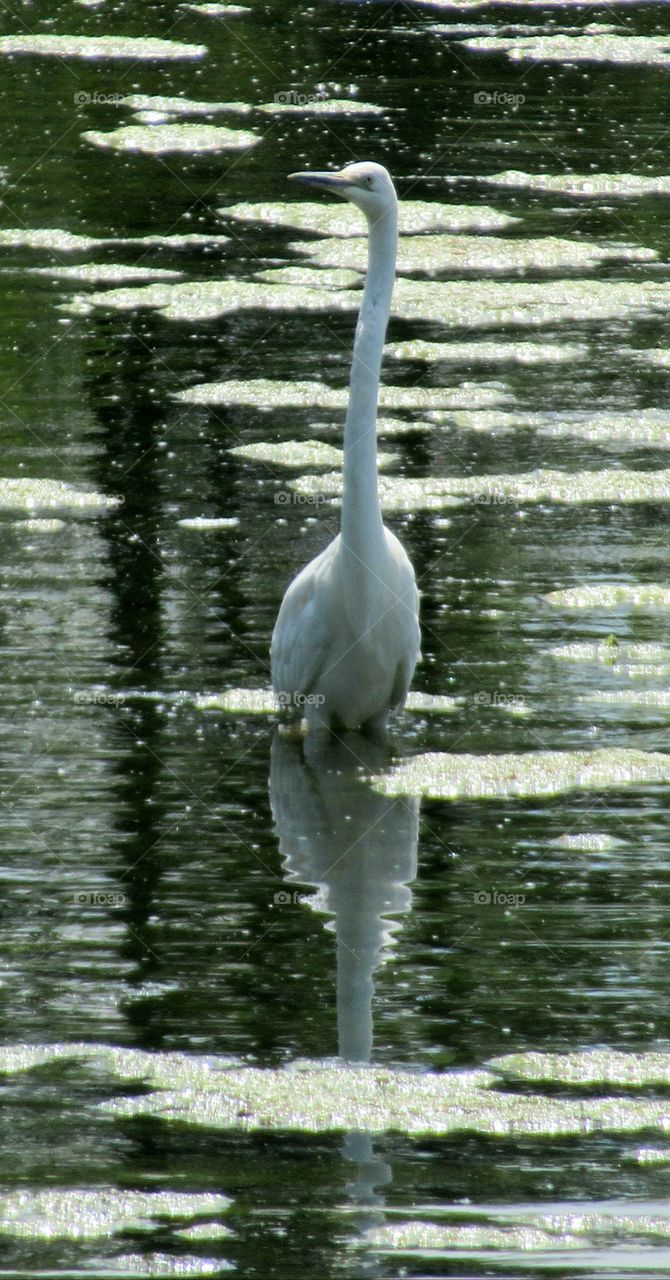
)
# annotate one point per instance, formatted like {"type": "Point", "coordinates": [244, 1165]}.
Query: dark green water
{"type": "Point", "coordinates": [114, 780]}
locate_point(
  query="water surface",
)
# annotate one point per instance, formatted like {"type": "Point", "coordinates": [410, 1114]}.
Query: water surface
{"type": "Point", "coordinates": [235, 971]}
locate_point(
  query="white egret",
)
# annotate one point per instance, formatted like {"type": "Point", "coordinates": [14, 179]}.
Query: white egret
{"type": "Point", "coordinates": [347, 637]}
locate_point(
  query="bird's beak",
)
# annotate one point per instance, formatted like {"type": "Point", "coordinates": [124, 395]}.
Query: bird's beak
{"type": "Point", "coordinates": [337, 182]}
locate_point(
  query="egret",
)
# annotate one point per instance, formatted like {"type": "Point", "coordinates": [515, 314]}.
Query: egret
{"type": "Point", "coordinates": [347, 637]}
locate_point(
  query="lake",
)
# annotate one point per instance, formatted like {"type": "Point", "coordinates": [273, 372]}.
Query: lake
{"type": "Point", "coordinates": [273, 1007]}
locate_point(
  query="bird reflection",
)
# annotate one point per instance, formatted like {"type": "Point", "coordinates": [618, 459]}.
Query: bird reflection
{"type": "Point", "coordinates": [360, 849]}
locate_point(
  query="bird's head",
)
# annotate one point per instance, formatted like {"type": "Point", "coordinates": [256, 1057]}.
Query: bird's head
{"type": "Point", "coordinates": [366, 185]}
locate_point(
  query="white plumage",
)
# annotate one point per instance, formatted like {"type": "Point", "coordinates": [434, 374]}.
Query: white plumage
{"type": "Point", "coordinates": [347, 638]}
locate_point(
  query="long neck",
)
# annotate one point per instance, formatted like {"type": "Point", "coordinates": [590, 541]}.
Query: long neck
{"type": "Point", "coordinates": [362, 524]}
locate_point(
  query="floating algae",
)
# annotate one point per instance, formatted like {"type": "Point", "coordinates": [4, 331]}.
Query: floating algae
{"type": "Point", "coordinates": [430, 702]}
{"type": "Point", "coordinates": [299, 453]}
{"type": "Point", "coordinates": [203, 523]}
{"type": "Point", "coordinates": [469, 304]}
{"type": "Point", "coordinates": [58, 241]}
{"type": "Point", "coordinates": [589, 1068]}
{"type": "Point", "coordinates": [508, 1232]}
{"type": "Point", "coordinates": [523, 353]}
{"type": "Point", "coordinates": [204, 1231]}
{"type": "Point", "coordinates": [659, 356]}
{"type": "Point", "coordinates": [417, 1237]}
{"type": "Point", "coordinates": [625, 430]}
{"type": "Point", "coordinates": [158, 139]}
{"type": "Point", "coordinates": [161, 1264]}
{"type": "Point", "coordinates": [263, 702]}
{"type": "Point", "coordinates": [52, 238]}
{"type": "Point", "coordinates": [652, 699]}
{"type": "Point", "coordinates": [445, 776]}
{"type": "Point", "coordinates": [560, 487]}
{"type": "Point", "coordinates": [612, 595]}
{"type": "Point", "coordinates": [171, 106]}
{"type": "Point", "coordinates": [98, 273]}
{"type": "Point", "coordinates": [583, 184]}
{"type": "Point", "coordinates": [86, 1214]}
{"type": "Point", "coordinates": [254, 702]}
{"type": "Point", "coordinates": [414, 216]}
{"type": "Point", "coordinates": [587, 842]}
{"type": "Point", "coordinates": [217, 1093]}
{"type": "Point", "coordinates": [609, 48]}
{"type": "Point", "coordinates": [487, 303]}
{"type": "Point", "coordinates": [318, 1098]}
{"type": "Point", "coordinates": [23, 494]}
{"type": "Point", "coordinates": [315, 277]}
{"type": "Point", "coordinates": [197, 300]}
{"type": "Point", "coordinates": [269, 393]}
{"type": "Point", "coordinates": [437, 253]}
{"type": "Point", "coordinates": [302, 104]}
{"type": "Point", "coordinates": [138, 48]}
{"type": "Point", "coordinates": [40, 525]}
{"type": "Point", "coordinates": [218, 10]}
{"type": "Point", "coordinates": [626, 658]}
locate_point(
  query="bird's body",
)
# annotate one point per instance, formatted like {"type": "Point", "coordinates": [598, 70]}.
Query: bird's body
{"type": "Point", "coordinates": [345, 656]}
{"type": "Point", "coordinates": [347, 638]}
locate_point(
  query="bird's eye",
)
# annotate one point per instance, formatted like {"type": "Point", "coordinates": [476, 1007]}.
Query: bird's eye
{"type": "Point", "coordinates": [368, 182]}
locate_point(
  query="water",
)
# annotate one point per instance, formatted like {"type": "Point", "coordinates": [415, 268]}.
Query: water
{"type": "Point", "coordinates": [178, 881]}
